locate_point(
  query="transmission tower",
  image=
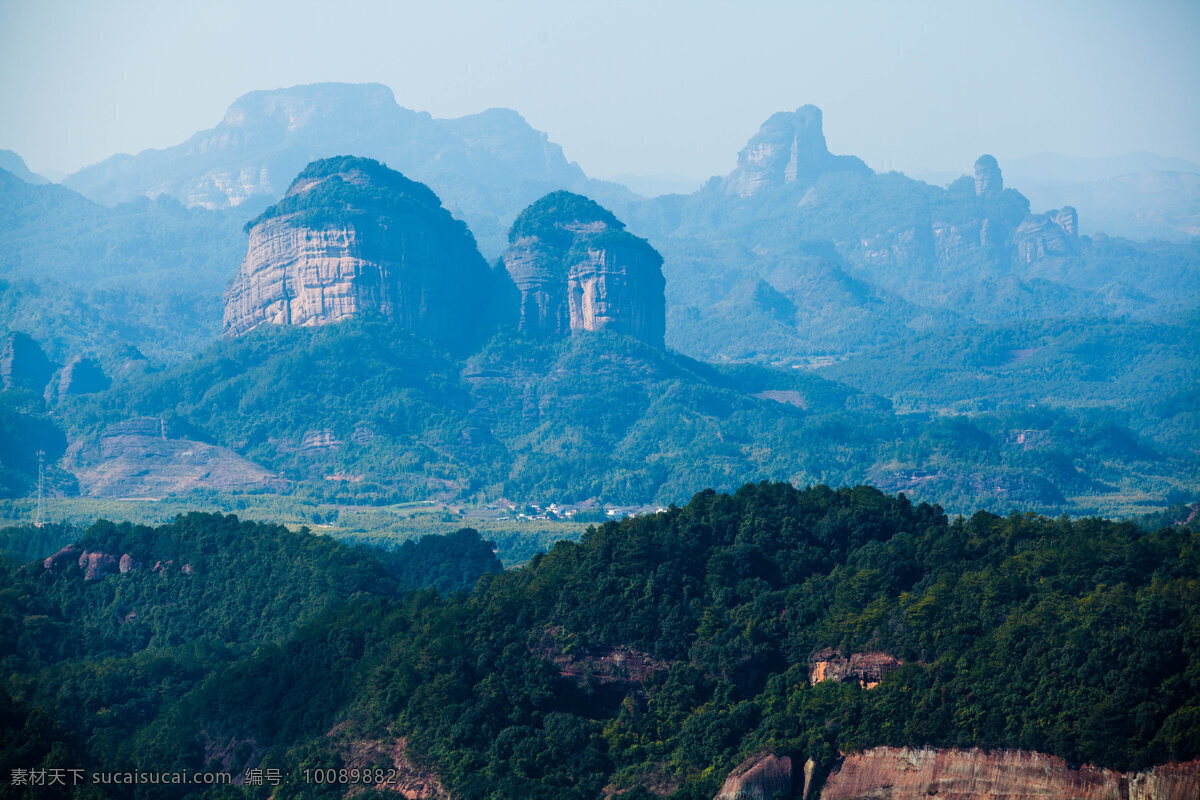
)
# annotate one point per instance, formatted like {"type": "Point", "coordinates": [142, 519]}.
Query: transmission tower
{"type": "Point", "coordinates": [40, 520]}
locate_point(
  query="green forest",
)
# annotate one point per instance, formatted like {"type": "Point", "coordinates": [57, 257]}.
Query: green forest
{"type": "Point", "coordinates": [603, 416]}
{"type": "Point", "coordinates": [292, 652]}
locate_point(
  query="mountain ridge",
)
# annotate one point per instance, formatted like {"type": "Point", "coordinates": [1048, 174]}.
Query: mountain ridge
{"type": "Point", "coordinates": [486, 166]}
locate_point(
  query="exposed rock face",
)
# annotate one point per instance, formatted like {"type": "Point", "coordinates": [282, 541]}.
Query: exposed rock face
{"type": "Point", "coordinates": [1041, 236]}
{"type": "Point", "coordinates": [127, 563]}
{"type": "Point", "coordinates": [988, 180]}
{"type": "Point", "coordinates": [81, 375]}
{"type": "Point", "coordinates": [97, 565]}
{"type": "Point", "coordinates": [762, 777]}
{"type": "Point", "coordinates": [406, 779]}
{"type": "Point", "coordinates": [575, 268]}
{"type": "Point", "coordinates": [621, 665]}
{"type": "Point", "coordinates": [1067, 218]}
{"type": "Point", "coordinates": [866, 668]}
{"type": "Point", "coordinates": [536, 270]}
{"type": "Point", "coordinates": [788, 148]}
{"type": "Point", "coordinates": [140, 458]}
{"type": "Point", "coordinates": [1166, 782]}
{"type": "Point", "coordinates": [23, 365]}
{"type": "Point", "coordinates": [953, 242]}
{"type": "Point", "coordinates": [352, 237]}
{"type": "Point", "coordinates": [889, 773]}
{"type": "Point", "coordinates": [65, 556]}
{"type": "Point", "coordinates": [323, 439]}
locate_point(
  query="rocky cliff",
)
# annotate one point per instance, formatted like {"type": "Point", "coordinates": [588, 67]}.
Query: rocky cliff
{"type": "Point", "coordinates": [81, 375]}
{"type": "Point", "coordinates": [788, 148]}
{"type": "Point", "coordinates": [352, 237]}
{"type": "Point", "coordinates": [23, 364]}
{"type": "Point", "coordinates": [576, 268]}
{"type": "Point", "coordinates": [1041, 236]}
{"type": "Point", "coordinates": [761, 777]}
{"type": "Point", "coordinates": [988, 179]}
{"type": "Point", "coordinates": [890, 773]}
{"type": "Point", "coordinates": [867, 669]}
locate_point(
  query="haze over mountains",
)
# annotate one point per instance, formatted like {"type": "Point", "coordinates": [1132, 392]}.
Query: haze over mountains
{"type": "Point", "coordinates": [269, 314]}
{"type": "Point", "coordinates": [797, 258]}
{"type": "Point", "coordinates": [487, 166]}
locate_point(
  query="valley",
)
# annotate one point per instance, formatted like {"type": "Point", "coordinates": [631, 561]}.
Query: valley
{"type": "Point", "coordinates": [346, 441]}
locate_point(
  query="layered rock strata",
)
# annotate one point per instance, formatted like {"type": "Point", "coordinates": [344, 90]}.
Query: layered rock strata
{"type": "Point", "coordinates": [1041, 236]}
{"type": "Point", "coordinates": [890, 773]}
{"type": "Point", "coordinates": [352, 237]}
{"type": "Point", "coordinates": [575, 268]}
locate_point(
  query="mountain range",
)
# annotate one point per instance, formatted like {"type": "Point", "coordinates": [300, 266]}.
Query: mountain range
{"type": "Point", "coordinates": [487, 166]}
{"type": "Point", "coordinates": [266, 314]}
{"type": "Point", "coordinates": [798, 259]}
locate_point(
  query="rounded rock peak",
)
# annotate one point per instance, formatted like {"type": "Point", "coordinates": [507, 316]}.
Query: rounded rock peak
{"type": "Point", "coordinates": [350, 238]}
{"type": "Point", "coordinates": [988, 178]}
{"type": "Point", "coordinates": [803, 123]}
{"type": "Point", "coordinates": [359, 171]}
{"type": "Point", "coordinates": [558, 217]}
{"type": "Point", "coordinates": [808, 115]}
{"type": "Point", "coordinates": [353, 186]}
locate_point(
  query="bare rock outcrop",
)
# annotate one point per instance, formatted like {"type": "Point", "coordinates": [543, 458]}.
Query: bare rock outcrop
{"type": "Point", "coordinates": [23, 364]}
{"type": "Point", "coordinates": [868, 669]}
{"type": "Point", "coordinates": [81, 375]}
{"type": "Point", "coordinates": [404, 778]}
{"type": "Point", "coordinates": [536, 270]}
{"type": "Point", "coordinates": [891, 773]}
{"type": "Point", "coordinates": [1041, 236]}
{"type": "Point", "coordinates": [760, 777]}
{"type": "Point", "coordinates": [788, 148]}
{"type": "Point", "coordinates": [575, 268]}
{"type": "Point", "coordinates": [621, 665]}
{"type": "Point", "coordinates": [1166, 782]}
{"type": "Point", "coordinates": [988, 178]}
{"type": "Point", "coordinates": [64, 557]}
{"type": "Point", "coordinates": [96, 566]}
{"type": "Point", "coordinates": [352, 237]}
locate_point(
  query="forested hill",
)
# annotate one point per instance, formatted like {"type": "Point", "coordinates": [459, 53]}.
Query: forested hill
{"type": "Point", "coordinates": [595, 415]}
{"type": "Point", "coordinates": [659, 651]}
{"type": "Point", "coordinates": [102, 637]}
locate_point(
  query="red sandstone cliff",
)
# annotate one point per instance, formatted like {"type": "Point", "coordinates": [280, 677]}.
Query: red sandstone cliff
{"type": "Point", "coordinates": [352, 237]}
{"type": "Point", "coordinates": [890, 773]}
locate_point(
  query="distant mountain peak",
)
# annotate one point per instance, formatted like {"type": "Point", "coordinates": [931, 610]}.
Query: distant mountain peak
{"type": "Point", "coordinates": [788, 148]}
{"type": "Point", "coordinates": [298, 105]}
{"type": "Point", "coordinates": [486, 166]}
{"type": "Point", "coordinates": [988, 178]}
{"type": "Point", "coordinates": [13, 163]}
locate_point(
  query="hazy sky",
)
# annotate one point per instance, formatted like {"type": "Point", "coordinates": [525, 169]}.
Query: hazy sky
{"type": "Point", "coordinates": [636, 88]}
